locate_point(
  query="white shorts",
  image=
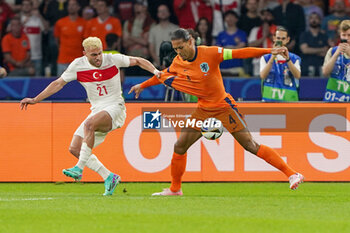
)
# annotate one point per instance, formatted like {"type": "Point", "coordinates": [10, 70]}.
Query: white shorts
{"type": "Point", "coordinates": [118, 115]}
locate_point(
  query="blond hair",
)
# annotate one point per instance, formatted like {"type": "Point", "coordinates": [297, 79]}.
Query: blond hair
{"type": "Point", "coordinates": [344, 25]}
{"type": "Point", "coordinates": [92, 42]}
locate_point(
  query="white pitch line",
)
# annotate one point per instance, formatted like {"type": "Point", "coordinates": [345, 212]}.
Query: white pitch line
{"type": "Point", "coordinates": [26, 199]}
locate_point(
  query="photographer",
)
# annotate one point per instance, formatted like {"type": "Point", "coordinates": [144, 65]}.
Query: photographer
{"type": "Point", "coordinates": [336, 66]}
{"type": "Point", "coordinates": [280, 73]}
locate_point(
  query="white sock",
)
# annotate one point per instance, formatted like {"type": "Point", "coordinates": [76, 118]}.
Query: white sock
{"type": "Point", "coordinates": [85, 153]}
{"type": "Point", "coordinates": [94, 164]}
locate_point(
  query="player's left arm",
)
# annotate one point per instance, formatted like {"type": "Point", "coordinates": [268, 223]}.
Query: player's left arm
{"type": "Point", "coordinates": [144, 64]}
{"type": "Point", "coordinates": [249, 52]}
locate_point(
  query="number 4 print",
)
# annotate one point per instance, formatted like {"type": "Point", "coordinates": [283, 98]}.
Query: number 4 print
{"type": "Point", "coordinates": [102, 90]}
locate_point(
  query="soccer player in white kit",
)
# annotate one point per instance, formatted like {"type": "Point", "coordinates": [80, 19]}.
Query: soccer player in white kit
{"type": "Point", "coordinates": [100, 76]}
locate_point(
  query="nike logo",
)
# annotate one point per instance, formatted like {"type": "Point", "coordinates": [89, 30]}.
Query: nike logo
{"type": "Point", "coordinates": [113, 183]}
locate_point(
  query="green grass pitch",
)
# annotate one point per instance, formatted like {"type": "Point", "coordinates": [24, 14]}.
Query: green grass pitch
{"type": "Point", "coordinates": [205, 207]}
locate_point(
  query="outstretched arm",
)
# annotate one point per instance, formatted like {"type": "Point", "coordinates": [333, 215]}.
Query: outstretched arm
{"type": "Point", "coordinates": [51, 89]}
{"type": "Point", "coordinates": [249, 52]}
{"type": "Point", "coordinates": [138, 88]}
{"type": "Point", "coordinates": [144, 64]}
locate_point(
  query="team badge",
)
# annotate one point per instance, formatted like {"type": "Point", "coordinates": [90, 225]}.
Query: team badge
{"type": "Point", "coordinates": [108, 27]}
{"type": "Point", "coordinates": [96, 75]}
{"type": "Point", "coordinates": [204, 67]}
{"type": "Point", "coordinates": [24, 43]}
{"type": "Point", "coordinates": [80, 28]}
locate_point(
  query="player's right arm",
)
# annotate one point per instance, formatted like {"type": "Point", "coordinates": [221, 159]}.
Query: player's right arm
{"type": "Point", "coordinates": [51, 89]}
{"type": "Point", "coordinates": [138, 88]}
{"type": "Point", "coordinates": [155, 80]}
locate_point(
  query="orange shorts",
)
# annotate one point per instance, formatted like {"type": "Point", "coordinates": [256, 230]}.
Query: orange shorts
{"type": "Point", "coordinates": [231, 119]}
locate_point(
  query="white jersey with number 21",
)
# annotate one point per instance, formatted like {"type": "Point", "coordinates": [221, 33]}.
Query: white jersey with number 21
{"type": "Point", "coordinates": [102, 84]}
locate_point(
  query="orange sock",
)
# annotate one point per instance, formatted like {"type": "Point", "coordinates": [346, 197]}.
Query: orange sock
{"type": "Point", "coordinates": [178, 166]}
{"type": "Point", "coordinates": [272, 157]}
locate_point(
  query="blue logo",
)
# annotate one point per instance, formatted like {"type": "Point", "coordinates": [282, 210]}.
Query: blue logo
{"type": "Point", "coordinates": [204, 67]}
{"type": "Point", "coordinates": [152, 120]}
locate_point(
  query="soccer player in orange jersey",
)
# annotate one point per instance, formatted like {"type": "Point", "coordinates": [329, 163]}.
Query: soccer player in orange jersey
{"type": "Point", "coordinates": [195, 70]}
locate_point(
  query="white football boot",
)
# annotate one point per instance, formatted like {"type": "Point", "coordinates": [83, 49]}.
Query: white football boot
{"type": "Point", "coordinates": [295, 180]}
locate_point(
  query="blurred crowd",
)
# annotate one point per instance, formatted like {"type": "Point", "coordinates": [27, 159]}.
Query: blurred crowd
{"type": "Point", "coordinates": [41, 37]}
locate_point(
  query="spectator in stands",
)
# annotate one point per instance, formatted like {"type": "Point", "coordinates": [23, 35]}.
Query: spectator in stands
{"type": "Point", "coordinates": [160, 32]}
{"type": "Point", "coordinates": [268, 4]}
{"type": "Point", "coordinates": [331, 5]}
{"type": "Point", "coordinates": [123, 9]}
{"type": "Point", "coordinates": [52, 10]}
{"type": "Point", "coordinates": [153, 9]}
{"type": "Point", "coordinates": [93, 3]}
{"type": "Point", "coordinates": [103, 24]}
{"type": "Point", "coordinates": [320, 4]}
{"type": "Point", "coordinates": [112, 43]}
{"type": "Point", "coordinates": [280, 73]}
{"type": "Point", "coordinates": [309, 8]}
{"type": "Point", "coordinates": [136, 31]}
{"type": "Point", "coordinates": [33, 26]}
{"type": "Point", "coordinates": [314, 46]}
{"type": "Point", "coordinates": [251, 18]}
{"type": "Point", "coordinates": [336, 66]}
{"type": "Point", "coordinates": [16, 5]}
{"type": "Point", "coordinates": [292, 17]}
{"type": "Point", "coordinates": [56, 9]}
{"type": "Point", "coordinates": [204, 29]}
{"type": "Point", "coordinates": [248, 20]}
{"type": "Point", "coordinates": [3, 72]}
{"type": "Point", "coordinates": [262, 37]}
{"type": "Point", "coordinates": [232, 38]}
{"type": "Point", "coordinates": [219, 9]}
{"type": "Point", "coordinates": [88, 13]}
{"type": "Point", "coordinates": [204, 9]}
{"type": "Point", "coordinates": [330, 23]}
{"type": "Point", "coordinates": [69, 35]}
{"type": "Point", "coordinates": [5, 14]}
{"type": "Point", "coordinates": [184, 13]}
{"type": "Point", "coordinates": [16, 49]}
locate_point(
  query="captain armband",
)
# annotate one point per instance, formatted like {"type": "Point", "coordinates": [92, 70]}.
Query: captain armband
{"type": "Point", "coordinates": [227, 54]}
